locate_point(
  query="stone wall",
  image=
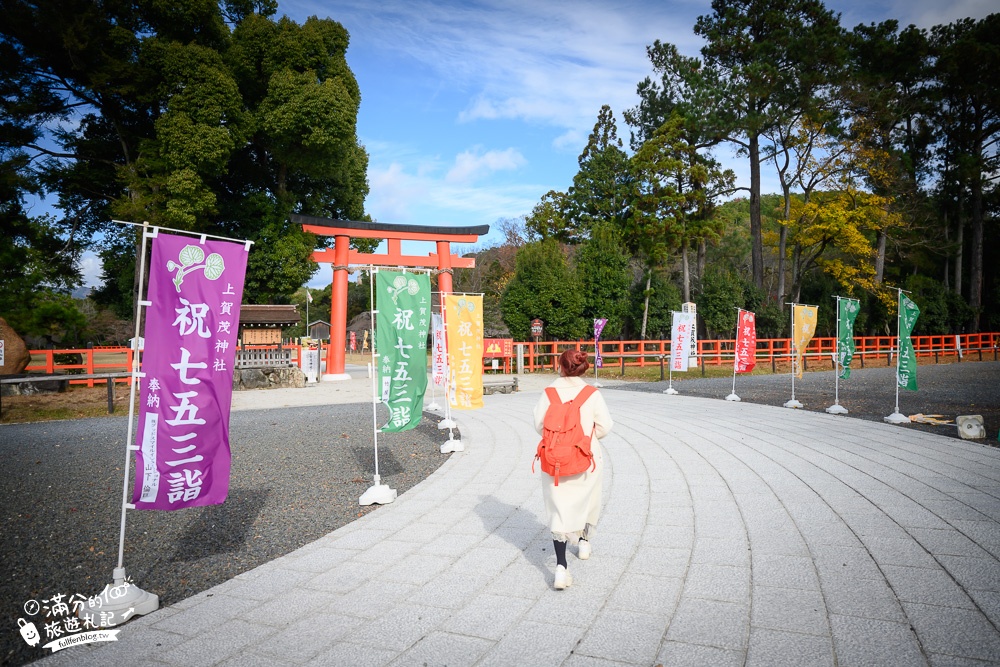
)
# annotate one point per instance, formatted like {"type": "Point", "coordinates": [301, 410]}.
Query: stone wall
{"type": "Point", "coordinates": [268, 378]}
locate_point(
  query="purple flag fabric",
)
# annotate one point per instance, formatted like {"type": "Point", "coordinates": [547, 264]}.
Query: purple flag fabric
{"type": "Point", "coordinates": [598, 328]}
{"type": "Point", "coordinates": [186, 390]}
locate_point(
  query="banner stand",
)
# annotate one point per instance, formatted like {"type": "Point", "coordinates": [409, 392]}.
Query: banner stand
{"type": "Point", "coordinates": [447, 422]}
{"type": "Point", "coordinates": [433, 405]}
{"type": "Point", "coordinates": [681, 328]}
{"type": "Point", "coordinates": [378, 492]}
{"type": "Point", "coordinates": [792, 403]}
{"type": "Point", "coordinates": [121, 599]}
{"type": "Point", "coordinates": [452, 444]}
{"type": "Point", "coordinates": [733, 396]}
{"type": "Point", "coordinates": [837, 408]}
{"type": "Point", "coordinates": [463, 394]}
{"type": "Point", "coordinates": [670, 383]}
{"type": "Point", "coordinates": [897, 417]}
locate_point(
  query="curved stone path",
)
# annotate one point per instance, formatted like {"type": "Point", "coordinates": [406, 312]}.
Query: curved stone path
{"type": "Point", "coordinates": [732, 534]}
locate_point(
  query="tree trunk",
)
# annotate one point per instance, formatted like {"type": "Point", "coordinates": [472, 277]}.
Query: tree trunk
{"type": "Point", "coordinates": [686, 273]}
{"type": "Point", "coordinates": [756, 239]}
{"type": "Point", "coordinates": [782, 244]}
{"type": "Point", "coordinates": [976, 252]}
{"type": "Point", "coordinates": [645, 304]}
{"type": "Point", "coordinates": [959, 249]}
{"type": "Point", "coordinates": [947, 258]}
{"type": "Point", "coordinates": [880, 257]}
{"type": "Point", "coordinates": [796, 261]}
{"type": "Point", "coordinates": [702, 250]}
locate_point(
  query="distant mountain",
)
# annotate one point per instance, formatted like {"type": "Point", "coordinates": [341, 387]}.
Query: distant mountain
{"type": "Point", "coordinates": [81, 292]}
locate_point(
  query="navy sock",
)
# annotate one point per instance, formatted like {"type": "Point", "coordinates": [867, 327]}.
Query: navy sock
{"type": "Point", "coordinates": [560, 548]}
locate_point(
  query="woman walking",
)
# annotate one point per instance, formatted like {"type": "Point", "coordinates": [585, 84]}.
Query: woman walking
{"type": "Point", "coordinates": [573, 502]}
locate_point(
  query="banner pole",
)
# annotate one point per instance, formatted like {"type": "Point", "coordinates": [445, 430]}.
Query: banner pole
{"type": "Point", "coordinates": [371, 296]}
{"type": "Point", "coordinates": [434, 404]}
{"type": "Point", "coordinates": [377, 493]}
{"type": "Point", "coordinates": [837, 408]}
{"type": "Point", "coordinates": [140, 302]}
{"type": "Point", "coordinates": [450, 388]}
{"type": "Point", "coordinates": [836, 359]}
{"type": "Point", "coordinates": [127, 599]}
{"type": "Point", "coordinates": [733, 396]}
{"type": "Point", "coordinates": [793, 349]}
{"type": "Point", "coordinates": [670, 387]}
{"type": "Point", "coordinates": [897, 417]}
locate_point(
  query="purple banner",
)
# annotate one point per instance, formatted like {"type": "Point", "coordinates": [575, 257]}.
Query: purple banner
{"type": "Point", "coordinates": [598, 328]}
{"type": "Point", "coordinates": [195, 290]}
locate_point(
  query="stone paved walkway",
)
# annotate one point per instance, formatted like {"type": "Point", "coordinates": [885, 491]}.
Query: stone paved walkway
{"type": "Point", "coordinates": [732, 534]}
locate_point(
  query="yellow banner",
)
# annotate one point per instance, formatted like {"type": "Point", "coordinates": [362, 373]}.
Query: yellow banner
{"type": "Point", "coordinates": [804, 328]}
{"type": "Point", "coordinates": [464, 326]}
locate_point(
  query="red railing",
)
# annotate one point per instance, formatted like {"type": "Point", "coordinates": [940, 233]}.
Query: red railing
{"type": "Point", "coordinates": [104, 359]}
{"type": "Point", "coordinates": [869, 349]}
{"type": "Point", "coordinates": [542, 356]}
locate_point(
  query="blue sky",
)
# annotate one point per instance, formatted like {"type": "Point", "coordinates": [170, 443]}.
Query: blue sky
{"type": "Point", "coordinates": [471, 111]}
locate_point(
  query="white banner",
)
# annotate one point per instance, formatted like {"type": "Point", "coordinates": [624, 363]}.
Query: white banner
{"type": "Point", "coordinates": [439, 351]}
{"type": "Point", "coordinates": [680, 340]}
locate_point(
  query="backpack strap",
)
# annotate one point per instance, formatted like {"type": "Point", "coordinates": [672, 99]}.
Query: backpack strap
{"type": "Point", "coordinates": [585, 393]}
{"type": "Point", "coordinates": [553, 395]}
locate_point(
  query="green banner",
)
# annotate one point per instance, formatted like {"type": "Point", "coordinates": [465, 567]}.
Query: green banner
{"type": "Point", "coordinates": [906, 369]}
{"type": "Point", "coordinates": [401, 324]}
{"type": "Point", "coordinates": [847, 312]}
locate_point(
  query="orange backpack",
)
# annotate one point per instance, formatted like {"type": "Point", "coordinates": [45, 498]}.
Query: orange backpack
{"type": "Point", "coordinates": [564, 448]}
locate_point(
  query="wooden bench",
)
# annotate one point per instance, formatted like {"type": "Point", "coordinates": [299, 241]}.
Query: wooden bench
{"type": "Point", "coordinates": [66, 377]}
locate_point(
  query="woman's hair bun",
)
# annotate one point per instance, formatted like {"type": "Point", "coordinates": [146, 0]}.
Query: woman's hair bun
{"type": "Point", "coordinates": [573, 363]}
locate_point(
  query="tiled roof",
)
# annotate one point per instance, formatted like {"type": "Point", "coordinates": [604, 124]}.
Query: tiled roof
{"type": "Point", "coordinates": [273, 315]}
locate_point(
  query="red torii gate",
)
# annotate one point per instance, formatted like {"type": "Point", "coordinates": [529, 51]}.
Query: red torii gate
{"type": "Point", "coordinates": [342, 256]}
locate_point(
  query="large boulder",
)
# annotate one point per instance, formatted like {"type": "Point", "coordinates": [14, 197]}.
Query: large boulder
{"type": "Point", "coordinates": [15, 353]}
{"type": "Point", "coordinates": [268, 378]}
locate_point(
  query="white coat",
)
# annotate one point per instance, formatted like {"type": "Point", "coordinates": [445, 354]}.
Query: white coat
{"type": "Point", "coordinates": [574, 506]}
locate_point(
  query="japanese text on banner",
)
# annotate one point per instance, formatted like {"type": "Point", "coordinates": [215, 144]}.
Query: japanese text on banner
{"type": "Point", "coordinates": [401, 326]}
{"type": "Point", "coordinates": [464, 324]}
{"type": "Point", "coordinates": [680, 340]}
{"type": "Point", "coordinates": [847, 312]}
{"type": "Point", "coordinates": [906, 371]}
{"type": "Point", "coordinates": [804, 328]}
{"type": "Point", "coordinates": [746, 342]}
{"type": "Point", "coordinates": [195, 290]}
{"type": "Point", "coordinates": [598, 329]}
{"type": "Point", "coordinates": [439, 351]}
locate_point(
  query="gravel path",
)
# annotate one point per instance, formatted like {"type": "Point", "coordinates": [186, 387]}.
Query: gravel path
{"type": "Point", "coordinates": [970, 388]}
{"type": "Point", "coordinates": [297, 475]}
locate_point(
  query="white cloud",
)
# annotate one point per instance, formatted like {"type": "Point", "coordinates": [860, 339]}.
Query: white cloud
{"type": "Point", "coordinates": [551, 63]}
{"type": "Point", "coordinates": [405, 193]}
{"type": "Point", "coordinates": [392, 192]}
{"type": "Point", "coordinates": [91, 269]}
{"type": "Point", "coordinates": [472, 164]}
{"type": "Point", "coordinates": [921, 13]}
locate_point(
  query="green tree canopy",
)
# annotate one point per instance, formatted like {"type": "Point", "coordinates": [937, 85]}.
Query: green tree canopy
{"type": "Point", "coordinates": [196, 115]}
{"type": "Point", "coordinates": [544, 286]}
{"type": "Point", "coordinates": [602, 264]}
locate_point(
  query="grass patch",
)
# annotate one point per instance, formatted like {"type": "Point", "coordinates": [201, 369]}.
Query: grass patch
{"type": "Point", "coordinates": [75, 403]}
